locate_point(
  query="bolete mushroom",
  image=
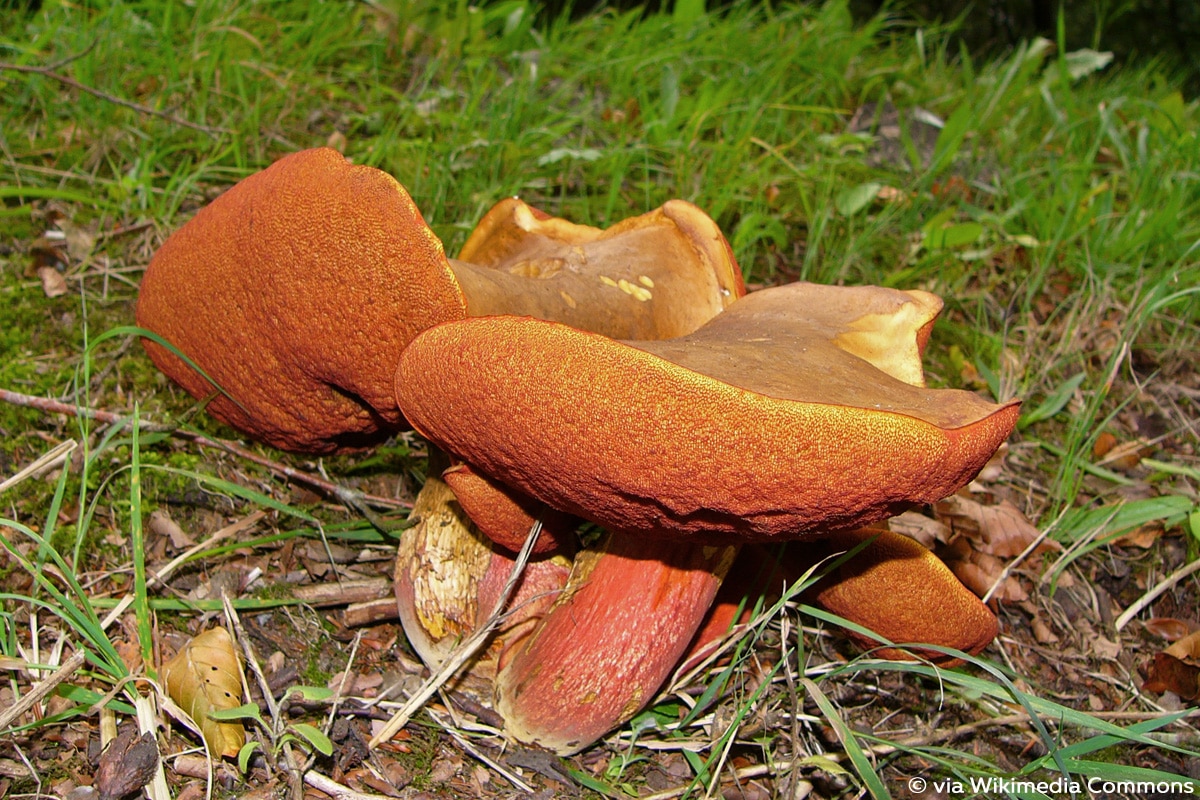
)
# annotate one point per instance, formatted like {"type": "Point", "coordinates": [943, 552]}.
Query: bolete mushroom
{"type": "Point", "coordinates": [296, 290]}
{"type": "Point", "coordinates": [799, 412]}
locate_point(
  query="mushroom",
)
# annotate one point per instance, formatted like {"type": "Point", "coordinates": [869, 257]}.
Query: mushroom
{"type": "Point", "coordinates": [449, 577]}
{"type": "Point", "coordinates": [925, 602]}
{"type": "Point", "coordinates": [296, 290]}
{"type": "Point", "coordinates": [799, 412]}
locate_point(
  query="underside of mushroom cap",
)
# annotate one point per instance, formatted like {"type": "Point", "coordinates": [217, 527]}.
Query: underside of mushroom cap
{"type": "Point", "coordinates": [661, 274]}
{"type": "Point", "coordinates": [760, 425]}
{"type": "Point", "coordinates": [295, 292]}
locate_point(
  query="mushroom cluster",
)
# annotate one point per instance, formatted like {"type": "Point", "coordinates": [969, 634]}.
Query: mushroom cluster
{"type": "Point", "coordinates": [620, 377]}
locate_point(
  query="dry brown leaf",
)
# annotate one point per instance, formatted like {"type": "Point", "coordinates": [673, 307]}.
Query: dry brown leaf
{"type": "Point", "coordinates": [126, 765]}
{"type": "Point", "coordinates": [978, 571]}
{"type": "Point", "coordinates": [1143, 537]}
{"type": "Point", "coordinates": [206, 675]}
{"type": "Point", "coordinates": [1169, 628]}
{"type": "Point", "coordinates": [1105, 649]}
{"type": "Point", "coordinates": [1177, 669]}
{"type": "Point", "coordinates": [994, 468]}
{"type": "Point", "coordinates": [1042, 632]}
{"type": "Point", "coordinates": [53, 282]}
{"type": "Point", "coordinates": [999, 530]}
{"type": "Point", "coordinates": [915, 525]}
{"type": "Point", "coordinates": [161, 524]}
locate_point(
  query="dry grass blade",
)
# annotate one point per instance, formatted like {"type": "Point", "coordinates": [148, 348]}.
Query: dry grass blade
{"type": "Point", "coordinates": [1150, 596]}
{"type": "Point", "coordinates": [465, 651]}
{"type": "Point", "coordinates": [52, 458]}
{"type": "Point", "coordinates": [152, 579]}
{"type": "Point", "coordinates": [42, 689]}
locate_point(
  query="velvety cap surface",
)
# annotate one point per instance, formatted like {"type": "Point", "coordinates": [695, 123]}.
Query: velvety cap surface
{"type": "Point", "coordinates": [760, 425]}
{"type": "Point", "coordinates": [295, 291]}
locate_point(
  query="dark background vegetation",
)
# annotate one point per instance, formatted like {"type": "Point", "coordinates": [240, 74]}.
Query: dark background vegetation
{"type": "Point", "coordinates": [1165, 32]}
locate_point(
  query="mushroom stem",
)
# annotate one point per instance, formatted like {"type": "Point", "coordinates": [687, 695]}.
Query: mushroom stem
{"type": "Point", "coordinates": [449, 577]}
{"type": "Point", "coordinates": [612, 638]}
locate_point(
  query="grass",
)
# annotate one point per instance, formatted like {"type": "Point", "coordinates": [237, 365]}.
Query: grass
{"type": "Point", "coordinates": [1057, 211]}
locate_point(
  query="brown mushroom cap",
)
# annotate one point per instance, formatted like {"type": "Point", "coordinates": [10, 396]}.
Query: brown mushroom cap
{"type": "Point", "coordinates": [764, 424]}
{"type": "Point", "coordinates": [295, 291]}
{"type": "Point", "coordinates": [893, 586]}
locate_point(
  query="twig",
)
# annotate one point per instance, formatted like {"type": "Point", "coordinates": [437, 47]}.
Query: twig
{"type": "Point", "coordinates": [42, 688]}
{"type": "Point", "coordinates": [349, 497]}
{"type": "Point", "coordinates": [1150, 596]}
{"type": "Point", "coordinates": [463, 653]}
{"type": "Point", "coordinates": [336, 790]}
{"type": "Point", "coordinates": [48, 72]}
{"type": "Point", "coordinates": [324, 595]}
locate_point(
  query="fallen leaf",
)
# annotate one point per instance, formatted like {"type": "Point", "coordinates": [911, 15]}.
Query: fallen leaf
{"type": "Point", "coordinates": [81, 242]}
{"type": "Point", "coordinates": [978, 571]}
{"type": "Point", "coordinates": [127, 764]}
{"type": "Point", "coordinates": [1177, 669]}
{"type": "Point", "coordinates": [204, 676]}
{"type": "Point", "coordinates": [1169, 628]}
{"type": "Point", "coordinates": [999, 530]}
{"type": "Point", "coordinates": [915, 525]}
{"type": "Point", "coordinates": [994, 468]}
{"type": "Point", "coordinates": [1105, 649]}
{"type": "Point", "coordinates": [161, 524]}
{"type": "Point", "coordinates": [53, 282]}
{"type": "Point", "coordinates": [1042, 632]}
{"type": "Point", "coordinates": [1143, 537]}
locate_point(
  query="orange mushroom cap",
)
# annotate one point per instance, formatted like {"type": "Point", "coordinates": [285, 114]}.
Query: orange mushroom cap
{"type": "Point", "coordinates": [764, 424]}
{"type": "Point", "coordinates": [295, 291]}
{"type": "Point", "coordinates": [897, 588]}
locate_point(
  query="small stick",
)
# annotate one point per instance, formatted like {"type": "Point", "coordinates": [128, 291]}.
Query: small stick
{"type": "Point", "coordinates": [342, 494]}
{"type": "Point", "coordinates": [324, 595]}
{"type": "Point", "coordinates": [48, 72]}
{"type": "Point", "coordinates": [373, 612]}
{"type": "Point", "coordinates": [336, 790]}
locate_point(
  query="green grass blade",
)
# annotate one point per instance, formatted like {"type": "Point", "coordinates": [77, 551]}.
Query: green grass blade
{"type": "Point", "coordinates": [858, 757]}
